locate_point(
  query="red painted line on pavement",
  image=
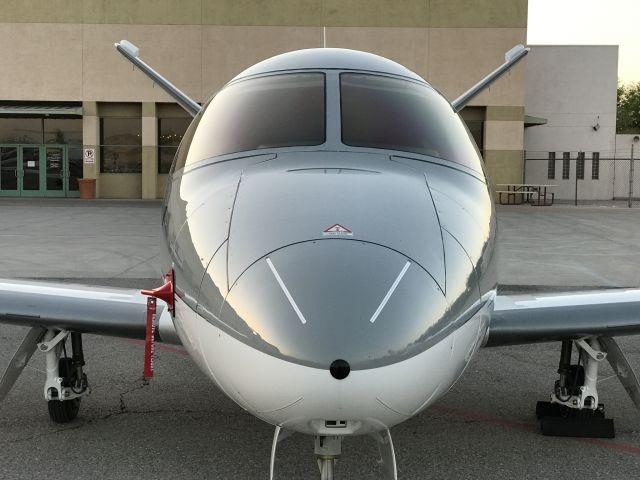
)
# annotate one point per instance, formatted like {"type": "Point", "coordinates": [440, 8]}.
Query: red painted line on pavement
{"type": "Point", "coordinates": [620, 447]}
{"type": "Point", "coordinates": [532, 427]}
{"type": "Point", "coordinates": [525, 426]}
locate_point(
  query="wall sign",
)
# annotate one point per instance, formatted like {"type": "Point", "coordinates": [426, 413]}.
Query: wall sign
{"type": "Point", "coordinates": [89, 155]}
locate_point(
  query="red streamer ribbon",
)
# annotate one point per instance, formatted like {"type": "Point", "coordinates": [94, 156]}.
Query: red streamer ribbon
{"type": "Point", "coordinates": [149, 345]}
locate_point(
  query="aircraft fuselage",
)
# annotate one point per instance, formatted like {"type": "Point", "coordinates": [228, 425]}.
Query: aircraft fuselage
{"type": "Point", "coordinates": [335, 275]}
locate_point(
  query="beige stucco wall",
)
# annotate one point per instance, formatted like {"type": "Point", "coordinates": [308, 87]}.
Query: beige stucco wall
{"type": "Point", "coordinates": [503, 138]}
{"type": "Point", "coordinates": [201, 44]}
{"type": "Point", "coordinates": [81, 64]}
{"type": "Point", "coordinates": [372, 13]}
{"type": "Point", "coordinates": [41, 62]}
{"type": "Point", "coordinates": [228, 50]}
{"type": "Point", "coordinates": [120, 185]}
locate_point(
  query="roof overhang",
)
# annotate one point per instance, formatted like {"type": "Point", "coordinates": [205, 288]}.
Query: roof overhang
{"type": "Point", "coordinates": [39, 111]}
{"type": "Point", "coordinates": [531, 121]}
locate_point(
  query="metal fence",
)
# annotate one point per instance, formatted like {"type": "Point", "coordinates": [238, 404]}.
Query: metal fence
{"type": "Point", "coordinates": [583, 178]}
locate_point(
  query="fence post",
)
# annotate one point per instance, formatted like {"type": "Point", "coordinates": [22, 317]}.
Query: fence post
{"type": "Point", "coordinates": [575, 198]}
{"type": "Point", "coordinates": [631, 177]}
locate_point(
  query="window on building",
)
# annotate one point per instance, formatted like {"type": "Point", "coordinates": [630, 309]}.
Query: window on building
{"type": "Point", "coordinates": [21, 130]}
{"type": "Point", "coordinates": [120, 145]}
{"type": "Point", "coordinates": [566, 165]}
{"type": "Point", "coordinates": [476, 129]}
{"type": "Point", "coordinates": [170, 133]}
{"type": "Point", "coordinates": [551, 166]}
{"type": "Point", "coordinates": [63, 130]}
{"type": "Point", "coordinates": [474, 118]}
{"type": "Point", "coordinates": [41, 130]}
{"type": "Point", "coordinates": [580, 166]}
{"type": "Point", "coordinates": [595, 166]}
{"type": "Point", "coordinates": [75, 167]}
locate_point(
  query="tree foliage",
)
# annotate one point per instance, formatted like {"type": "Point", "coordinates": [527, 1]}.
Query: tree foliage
{"type": "Point", "coordinates": [628, 112]}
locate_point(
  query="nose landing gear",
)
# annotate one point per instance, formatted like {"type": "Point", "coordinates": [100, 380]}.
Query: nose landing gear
{"type": "Point", "coordinates": [328, 449]}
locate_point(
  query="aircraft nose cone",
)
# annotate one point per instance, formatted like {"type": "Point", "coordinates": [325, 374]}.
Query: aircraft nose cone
{"type": "Point", "coordinates": [338, 305]}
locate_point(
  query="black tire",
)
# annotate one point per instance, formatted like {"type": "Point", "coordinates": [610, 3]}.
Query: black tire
{"type": "Point", "coordinates": [63, 412]}
{"type": "Point", "coordinates": [576, 378]}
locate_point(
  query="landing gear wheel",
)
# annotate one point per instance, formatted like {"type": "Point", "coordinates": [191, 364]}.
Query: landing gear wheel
{"type": "Point", "coordinates": [63, 412]}
{"type": "Point", "coordinates": [574, 410]}
{"type": "Point", "coordinates": [67, 410]}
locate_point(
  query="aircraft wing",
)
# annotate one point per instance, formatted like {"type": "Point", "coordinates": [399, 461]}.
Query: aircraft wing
{"type": "Point", "coordinates": [520, 319]}
{"type": "Point", "coordinates": [109, 311]}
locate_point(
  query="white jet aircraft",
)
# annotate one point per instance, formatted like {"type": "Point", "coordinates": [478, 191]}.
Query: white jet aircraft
{"type": "Point", "coordinates": [329, 242]}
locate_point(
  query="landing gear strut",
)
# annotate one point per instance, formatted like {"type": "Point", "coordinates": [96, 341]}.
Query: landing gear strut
{"type": "Point", "coordinates": [66, 382]}
{"type": "Point", "coordinates": [574, 410]}
{"type": "Point", "coordinates": [328, 450]}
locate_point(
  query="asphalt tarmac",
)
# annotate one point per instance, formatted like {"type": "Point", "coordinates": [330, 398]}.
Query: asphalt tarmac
{"type": "Point", "coordinates": [179, 425]}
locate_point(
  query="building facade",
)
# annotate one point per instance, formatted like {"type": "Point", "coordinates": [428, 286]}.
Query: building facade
{"type": "Point", "coordinates": [71, 107]}
{"type": "Point", "coordinates": [570, 134]}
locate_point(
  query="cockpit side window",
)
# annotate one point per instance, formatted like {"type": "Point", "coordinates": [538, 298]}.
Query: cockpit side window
{"type": "Point", "coordinates": [396, 114]}
{"type": "Point", "coordinates": [285, 110]}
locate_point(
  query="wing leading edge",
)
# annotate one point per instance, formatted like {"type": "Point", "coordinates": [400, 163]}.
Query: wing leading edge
{"type": "Point", "coordinates": [521, 319]}
{"type": "Point", "coordinates": [100, 310]}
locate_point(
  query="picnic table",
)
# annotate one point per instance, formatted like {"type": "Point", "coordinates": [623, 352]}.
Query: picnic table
{"type": "Point", "coordinates": [518, 193]}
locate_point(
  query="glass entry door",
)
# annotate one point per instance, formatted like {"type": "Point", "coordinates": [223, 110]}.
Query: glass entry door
{"type": "Point", "coordinates": [54, 181]}
{"type": "Point", "coordinates": [31, 168]}
{"type": "Point", "coordinates": [40, 170]}
{"type": "Point", "coordinates": [74, 170]}
{"type": "Point", "coordinates": [9, 171]}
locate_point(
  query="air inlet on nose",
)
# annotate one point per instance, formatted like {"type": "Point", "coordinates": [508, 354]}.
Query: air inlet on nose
{"type": "Point", "coordinates": [340, 369]}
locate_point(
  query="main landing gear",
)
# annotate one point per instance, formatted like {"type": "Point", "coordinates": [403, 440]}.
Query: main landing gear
{"type": "Point", "coordinates": [66, 382]}
{"type": "Point", "coordinates": [574, 409]}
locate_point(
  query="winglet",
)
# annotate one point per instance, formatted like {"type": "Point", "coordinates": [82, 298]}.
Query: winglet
{"type": "Point", "coordinates": [512, 57]}
{"type": "Point", "coordinates": [132, 53]}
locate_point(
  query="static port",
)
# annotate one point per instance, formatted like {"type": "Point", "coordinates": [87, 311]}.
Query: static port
{"type": "Point", "coordinates": [335, 423]}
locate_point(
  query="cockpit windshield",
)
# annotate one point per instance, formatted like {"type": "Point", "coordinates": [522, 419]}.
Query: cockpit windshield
{"type": "Point", "coordinates": [396, 114]}
{"type": "Point", "coordinates": [285, 110]}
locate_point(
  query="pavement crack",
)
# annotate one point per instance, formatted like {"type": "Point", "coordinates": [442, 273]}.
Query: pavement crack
{"type": "Point", "coordinates": [123, 406]}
